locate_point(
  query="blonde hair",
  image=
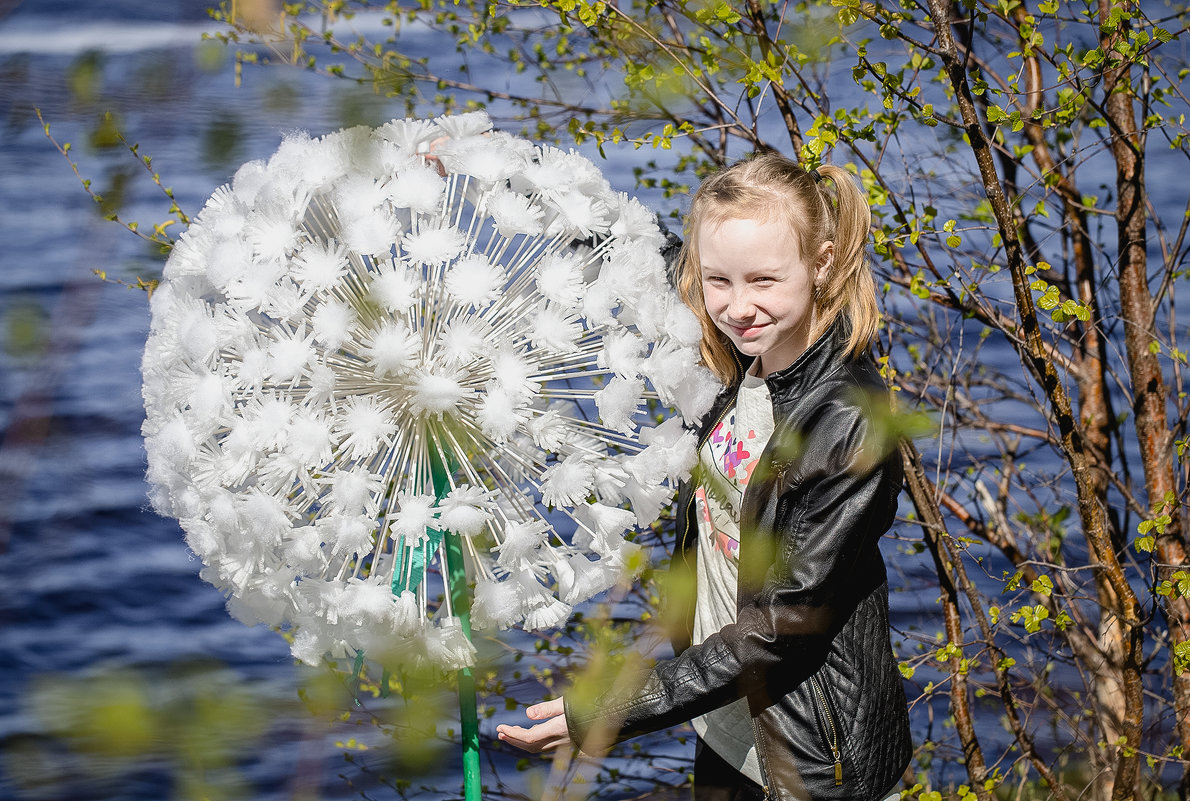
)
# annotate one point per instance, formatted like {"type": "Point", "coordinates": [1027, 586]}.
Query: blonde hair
{"type": "Point", "coordinates": [769, 186]}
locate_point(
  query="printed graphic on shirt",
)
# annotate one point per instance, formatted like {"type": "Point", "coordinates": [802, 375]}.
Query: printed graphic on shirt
{"type": "Point", "coordinates": [729, 457]}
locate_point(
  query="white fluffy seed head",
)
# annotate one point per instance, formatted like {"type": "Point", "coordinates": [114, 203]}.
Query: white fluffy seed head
{"type": "Point", "coordinates": [555, 329]}
{"type": "Point", "coordinates": [513, 213]}
{"type": "Point", "coordinates": [395, 289]}
{"type": "Point", "coordinates": [332, 323]}
{"type": "Point", "coordinates": [319, 265]}
{"type": "Point", "coordinates": [433, 245]}
{"type": "Point", "coordinates": [474, 281]}
{"type": "Point", "coordinates": [560, 279]}
{"type": "Point", "coordinates": [465, 510]}
{"type": "Point", "coordinates": [619, 402]}
{"type": "Point", "coordinates": [414, 516]}
{"type": "Point", "coordinates": [568, 482]}
{"type": "Point", "coordinates": [497, 604]}
{"type": "Point", "coordinates": [518, 549]}
{"type": "Point", "coordinates": [391, 350]}
{"type": "Point", "coordinates": [364, 425]}
{"type": "Point", "coordinates": [435, 394]}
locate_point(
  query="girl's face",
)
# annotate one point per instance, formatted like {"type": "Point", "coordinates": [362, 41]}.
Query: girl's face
{"type": "Point", "coordinates": [758, 288]}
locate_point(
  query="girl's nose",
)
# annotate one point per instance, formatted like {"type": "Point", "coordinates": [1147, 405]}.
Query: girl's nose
{"type": "Point", "coordinates": [740, 306]}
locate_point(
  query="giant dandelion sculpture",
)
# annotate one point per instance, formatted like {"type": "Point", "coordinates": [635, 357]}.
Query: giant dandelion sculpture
{"type": "Point", "coordinates": [358, 367]}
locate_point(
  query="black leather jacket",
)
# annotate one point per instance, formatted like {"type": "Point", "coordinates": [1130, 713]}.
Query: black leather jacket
{"type": "Point", "coordinates": [810, 649]}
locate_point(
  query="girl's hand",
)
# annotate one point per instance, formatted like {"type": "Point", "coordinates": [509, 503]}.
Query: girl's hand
{"type": "Point", "coordinates": [551, 733]}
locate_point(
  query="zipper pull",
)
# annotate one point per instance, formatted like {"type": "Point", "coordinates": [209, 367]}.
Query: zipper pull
{"type": "Point", "coordinates": [838, 769]}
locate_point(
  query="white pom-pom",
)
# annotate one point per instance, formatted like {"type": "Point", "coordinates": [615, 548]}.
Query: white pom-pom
{"type": "Point", "coordinates": [248, 180]}
{"type": "Point", "coordinates": [303, 551]}
{"type": "Point", "coordinates": [172, 444]}
{"type": "Point", "coordinates": [647, 501]}
{"type": "Point", "coordinates": [448, 647]}
{"type": "Point", "coordinates": [582, 578]}
{"type": "Point", "coordinates": [272, 232]}
{"type": "Point", "coordinates": [499, 414]}
{"type": "Point", "coordinates": [599, 304]}
{"type": "Point", "coordinates": [667, 366]}
{"type": "Point", "coordinates": [550, 430]}
{"type": "Point", "coordinates": [290, 356]}
{"type": "Point", "coordinates": [683, 325]}
{"type": "Point", "coordinates": [347, 534]}
{"type": "Point", "coordinates": [263, 518]}
{"type": "Point", "coordinates": [675, 448]}
{"type": "Point", "coordinates": [497, 604]}
{"type": "Point", "coordinates": [407, 616]}
{"type": "Point", "coordinates": [415, 515]}
{"type": "Point", "coordinates": [319, 265]}
{"type": "Point", "coordinates": [475, 281]}
{"type": "Point", "coordinates": [464, 340]}
{"type": "Point", "coordinates": [560, 279]}
{"type": "Point", "coordinates": [578, 214]}
{"type": "Point", "coordinates": [371, 232]}
{"type": "Point", "coordinates": [434, 245]}
{"type": "Point", "coordinates": [695, 394]}
{"type": "Point", "coordinates": [465, 510]}
{"type": "Point", "coordinates": [391, 350]}
{"type": "Point", "coordinates": [513, 213]}
{"type": "Point", "coordinates": [623, 352]}
{"type": "Point", "coordinates": [520, 543]}
{"type": "Point", "coordinates": [364, 425]}
{"type": "Point", "coordinates": [543, 611]}
{"type": "Point", "coordinates": [635, 221]}
{"type": "Point", "coordinates": [457, 126]}
{"type": "Point", "coordinates": [514, 374]}
{"type": "Point", "coordinates": [555, 329]}
{"type": "Point", "coordinates": [203, 538]}
{"type": "Point", "coordinates": [365, 602]}
{"type": "Point", "coordinates": [410, 135]}
{"type": "Point", "coordinates": [309, 438]}
{"type": "Point", "coordinates": [489, 160]}
{"type": "Point", "coordinates": [309, 646]}
{"type": "Point", "coordinates": [418, 188]}
{"type": "Point", "coordinates": [618, 402]}
{"type": "Point", "coordinates": [567, 482]}
{"type": "Point", "coordinates": [332, 323]}
{"type": "Point", "coordinates": [395, 289]}
{"type": "Point", "coordinates": [608, 520]}
{"type": "Point", "coordinates": [354, 492]}
{"type": "Point", "coordinates": [436, 394]}
{"type": "Point", "coordinates": [197, 334]}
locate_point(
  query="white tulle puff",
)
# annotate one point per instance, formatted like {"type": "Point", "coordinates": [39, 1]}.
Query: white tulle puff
{"type": "Point", "coordinates": [354, 361]}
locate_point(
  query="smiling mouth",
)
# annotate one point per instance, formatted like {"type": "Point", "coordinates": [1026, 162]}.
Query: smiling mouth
{"type": "Point", "coordinates": [747, 331]}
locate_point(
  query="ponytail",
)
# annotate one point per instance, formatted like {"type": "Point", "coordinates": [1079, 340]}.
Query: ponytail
{"type": "Point", "coordinates": [847, 288]}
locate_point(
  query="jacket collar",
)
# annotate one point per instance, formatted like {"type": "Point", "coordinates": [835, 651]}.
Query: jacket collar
{"type": "Point", "coordinates": [816, 363]}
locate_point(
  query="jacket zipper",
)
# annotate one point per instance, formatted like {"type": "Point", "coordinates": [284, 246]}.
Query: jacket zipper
{"type": "Point", "coordinates": [832, 732]}
{"type": "Point", "coordinates": [764, 773]}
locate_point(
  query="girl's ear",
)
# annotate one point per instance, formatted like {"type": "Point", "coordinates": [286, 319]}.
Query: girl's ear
{"type": "Point", "coordinates": [824, 262]}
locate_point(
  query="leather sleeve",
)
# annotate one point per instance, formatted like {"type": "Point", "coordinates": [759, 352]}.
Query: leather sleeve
{"type": "Point", "coordinates": [831, 502]}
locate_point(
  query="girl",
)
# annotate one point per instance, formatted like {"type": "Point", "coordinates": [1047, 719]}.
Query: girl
{"type": "Point", "coordinates": [783, 661]}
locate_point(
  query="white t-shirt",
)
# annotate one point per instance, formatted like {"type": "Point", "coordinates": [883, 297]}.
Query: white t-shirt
{"type": "Point", "coordinates": [725, 463]}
